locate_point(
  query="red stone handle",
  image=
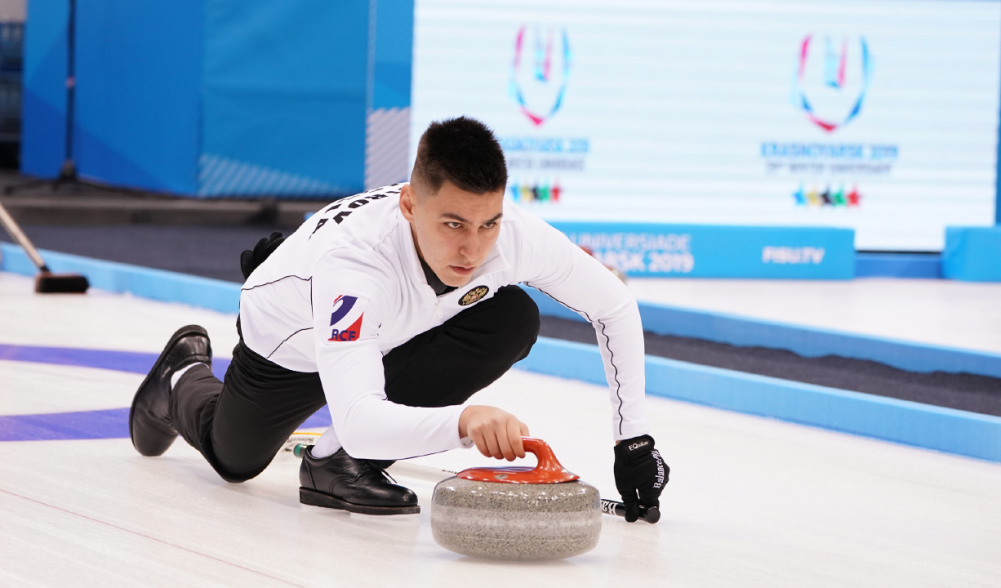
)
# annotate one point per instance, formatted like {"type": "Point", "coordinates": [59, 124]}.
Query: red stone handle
{"type": "Point", "coordinates": [549, 470]}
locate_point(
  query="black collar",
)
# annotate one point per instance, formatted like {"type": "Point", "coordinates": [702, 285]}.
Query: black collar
{"type": "Point", "coordinates": [440, 288]}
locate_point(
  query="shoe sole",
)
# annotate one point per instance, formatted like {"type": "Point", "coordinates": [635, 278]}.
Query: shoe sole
{"type": "Point", "coordinates": [314, 498]}
{"type": "Point", "coordinates": [180, 333]}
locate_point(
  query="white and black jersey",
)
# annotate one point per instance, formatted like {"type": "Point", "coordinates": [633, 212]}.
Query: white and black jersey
{"type": "Point", "coordinates": [347, 287]}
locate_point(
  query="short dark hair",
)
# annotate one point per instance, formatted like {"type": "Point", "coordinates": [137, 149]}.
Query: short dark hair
{"type": "Point", "coordinates": [463, 151]}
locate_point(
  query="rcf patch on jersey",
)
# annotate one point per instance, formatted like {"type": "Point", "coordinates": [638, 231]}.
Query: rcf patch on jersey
{"type": "Point", "coordinates": [346, 318]}
{"type": "Point", "coordinates": [473, 295]}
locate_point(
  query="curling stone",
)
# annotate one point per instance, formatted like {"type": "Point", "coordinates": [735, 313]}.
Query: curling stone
{"type": "Point", "coordinates": [517, 513]}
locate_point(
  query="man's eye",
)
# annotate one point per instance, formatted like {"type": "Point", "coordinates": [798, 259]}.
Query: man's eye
{"type": "Point", "coordinates": [453, 225]}
{"type": "Point", "coordinates": [490, 225]}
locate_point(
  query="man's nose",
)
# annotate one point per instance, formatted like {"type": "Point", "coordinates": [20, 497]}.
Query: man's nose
{"type": "Point", "coordinates": [471, 246]}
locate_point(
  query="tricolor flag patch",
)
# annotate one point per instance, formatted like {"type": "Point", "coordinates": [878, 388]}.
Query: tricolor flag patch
{"type": "Point", "coordinates": [346, 318]}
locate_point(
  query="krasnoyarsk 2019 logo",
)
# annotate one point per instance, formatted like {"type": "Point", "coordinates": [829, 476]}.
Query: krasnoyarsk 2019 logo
{"type": "Point", "coordinates": [539, 72]}
{"type": "Point", "coordinates": [832, 79]}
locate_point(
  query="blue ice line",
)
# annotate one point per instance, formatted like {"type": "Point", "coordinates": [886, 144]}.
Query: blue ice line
{"type": "Point", "coordinates": [90, 424]}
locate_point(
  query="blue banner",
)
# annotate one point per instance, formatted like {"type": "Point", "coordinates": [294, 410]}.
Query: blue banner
{"type": "Point", "coordinates": [43, 95]}
{"type": "Point", "coordinates": [284, 98]}
{"type": "Point", "coordinates": [972, 254]}
{"type": "Point", "coordinates": [706, 251]}
{"type": "Point", "coordinates": [218, 98]}
{"type": "Point", "coordinates": [138, 76]}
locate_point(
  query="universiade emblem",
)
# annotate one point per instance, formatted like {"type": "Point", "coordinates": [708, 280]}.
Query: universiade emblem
{"type": "Point", "coordinates": [832, 96]}
{"type": "Point", "coordinates": [539, 72]}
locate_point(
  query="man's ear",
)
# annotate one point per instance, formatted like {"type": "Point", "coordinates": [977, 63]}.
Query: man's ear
{"type": "Point", "coordinates": [407, 202]}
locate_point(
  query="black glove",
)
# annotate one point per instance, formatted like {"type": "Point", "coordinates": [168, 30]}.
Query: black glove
{"type": "Point", "coordinates": [640, 474]}
{"type": "Point", "coordinates": [249, 260]}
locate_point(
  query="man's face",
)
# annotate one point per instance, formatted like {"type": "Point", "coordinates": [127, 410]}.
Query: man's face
{"type": "Point", "coordinates": [454, 230]}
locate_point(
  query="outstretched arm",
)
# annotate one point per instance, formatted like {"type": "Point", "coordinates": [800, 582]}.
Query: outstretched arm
{"type": "Point", "coordinates": [578, 281]}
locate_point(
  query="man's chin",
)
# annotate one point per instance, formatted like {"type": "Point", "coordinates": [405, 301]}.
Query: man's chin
{"type": "Point", "coordinates": [457, 279]}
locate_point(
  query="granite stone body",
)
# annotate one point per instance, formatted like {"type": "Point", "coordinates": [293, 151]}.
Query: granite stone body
{"type": "Point", "coordinates": [516, 521]}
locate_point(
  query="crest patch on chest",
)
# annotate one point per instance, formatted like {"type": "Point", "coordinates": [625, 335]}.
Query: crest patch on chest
{"type": "Point", "coordinates": [473, 295]}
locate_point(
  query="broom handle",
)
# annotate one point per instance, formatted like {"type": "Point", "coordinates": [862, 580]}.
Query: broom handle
{"type": "Point", "coordinates": [15, 231]}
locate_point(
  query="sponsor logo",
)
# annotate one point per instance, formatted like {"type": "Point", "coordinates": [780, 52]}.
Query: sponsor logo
{"type": "Point", "coordinates": [473, 295]}
{"type": "Point", "coordinates": [661, 475]}
{"type": "Point", "coordinates": [793, 255]}
{"type": "Point", "coordinates": [539, 72]}
{"type": "Point", "coordinates": [827, 197]}
{"type": "Point", "coordinates": [635, 446]}
{"type": "Point", "coordinates": [345, 309]}
{"type": "Point", "coordinates": [832, 80]}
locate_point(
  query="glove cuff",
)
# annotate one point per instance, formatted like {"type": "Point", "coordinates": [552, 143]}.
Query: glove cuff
{"type": "Point", "coordinates": [635, 446]}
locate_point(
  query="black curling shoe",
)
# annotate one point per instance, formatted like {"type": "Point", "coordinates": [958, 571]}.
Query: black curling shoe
{"type": "Point", "coordinates": [355, 485]}
{"type": "Point", "coordinates": [149, 418]}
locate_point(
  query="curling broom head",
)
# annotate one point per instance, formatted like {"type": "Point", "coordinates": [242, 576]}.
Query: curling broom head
{"type": "Point", "coordinates": [50, 283]}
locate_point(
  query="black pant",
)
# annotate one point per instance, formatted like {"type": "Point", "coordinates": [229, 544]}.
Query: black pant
{"type": "Point", "coordinates": [241, 424]}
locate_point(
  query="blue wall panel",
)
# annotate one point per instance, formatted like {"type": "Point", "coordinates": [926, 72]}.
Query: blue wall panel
{"type": "Point", "coordinates": [972, 254]}
{"type": "Point", "coordinates": [214, 97]}
{"type": "Point", "coordinates": [138, 92]}
{"type": "Point", "coordinates": [285, 96]}
{"type": "Point", "coordinates": [393, 53]}
{"type": "Point", "coordinates": [926, 266]}
{"type": "Point", "coordinates": [43, 103]}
